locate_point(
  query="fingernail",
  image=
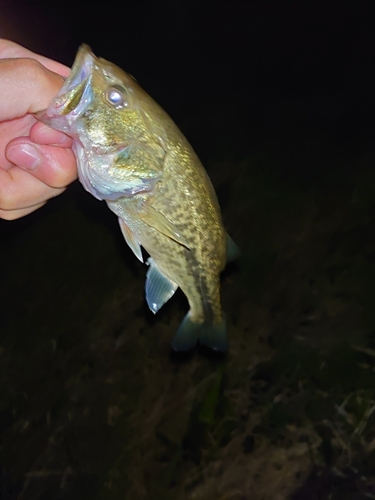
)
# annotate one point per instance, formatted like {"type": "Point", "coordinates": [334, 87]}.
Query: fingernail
{"type": "Point", "coordinates": [24, 156]}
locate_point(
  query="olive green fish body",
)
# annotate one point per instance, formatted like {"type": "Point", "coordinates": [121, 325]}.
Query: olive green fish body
{"type": "Point", "coordinates": [195, 214]}
{"type": "Point", "coordinates": [132, 155]}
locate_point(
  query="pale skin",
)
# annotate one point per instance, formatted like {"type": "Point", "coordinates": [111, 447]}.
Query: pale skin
{"type": "Point", "coordinates": [36, 162]}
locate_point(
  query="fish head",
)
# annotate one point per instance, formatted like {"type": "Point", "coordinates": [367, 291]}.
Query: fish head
{"type": "Point", "coordinates": [118, 151]}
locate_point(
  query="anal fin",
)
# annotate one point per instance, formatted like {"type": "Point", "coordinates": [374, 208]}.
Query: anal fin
{"type": "Point", "coordinates": [159, 288]}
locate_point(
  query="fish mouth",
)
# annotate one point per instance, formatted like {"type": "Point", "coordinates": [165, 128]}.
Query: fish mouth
{"type": "Point", "coordinates": [74, 96]}
{"type": "Point", "coordinates": [81, 69]}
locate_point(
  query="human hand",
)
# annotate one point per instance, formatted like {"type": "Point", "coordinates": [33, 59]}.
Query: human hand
{"type": "Point", "coordinates": [36, 162]}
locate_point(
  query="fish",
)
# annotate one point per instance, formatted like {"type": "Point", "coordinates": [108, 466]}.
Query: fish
{"type": "Point", "coordinates": [131, 154]}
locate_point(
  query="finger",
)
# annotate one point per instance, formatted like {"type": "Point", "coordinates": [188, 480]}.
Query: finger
{"type": "Point", "coordinates": [28, 85]}
{"type": "Point", "coordinates": [11, 50]}
{"type": "Point", "coordinates": [20, 190]}
{"type": "Point", "coordinates": [10, 129]}
{"type": "Point", "coordinates": [43, 134]}
{"type": "Point", "coordinates": [52, 165]}
{"type": "Point", "coordinates": [17, 214]}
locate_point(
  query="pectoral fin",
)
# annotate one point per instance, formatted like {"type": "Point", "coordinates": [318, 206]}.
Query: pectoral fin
{"type": "Point", "coordinates": [130, 240]}
{"type": "Point", "coordinates": [157, 220]}
{"type": "Point", "coordinates": [159, 288]}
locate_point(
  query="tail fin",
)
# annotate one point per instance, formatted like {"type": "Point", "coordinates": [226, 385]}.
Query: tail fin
{"type": "Point", "coordinates": [188, 334]}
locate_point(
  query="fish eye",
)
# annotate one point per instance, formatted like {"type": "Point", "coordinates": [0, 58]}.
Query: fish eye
{"type": "Point", "coordinates": [116, 96]}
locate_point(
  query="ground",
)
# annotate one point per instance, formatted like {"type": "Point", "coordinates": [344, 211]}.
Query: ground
{"type": "Point", "coordinates": [95, 405]}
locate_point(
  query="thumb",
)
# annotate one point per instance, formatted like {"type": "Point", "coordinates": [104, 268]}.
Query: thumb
{"type": "Point", "coordinates": [27, 85]}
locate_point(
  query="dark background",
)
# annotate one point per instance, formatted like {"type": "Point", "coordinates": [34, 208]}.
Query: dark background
{"type": "Point", "coordinates": [277, 98]}
{"type": "Point", "coordinates": [247, 58]}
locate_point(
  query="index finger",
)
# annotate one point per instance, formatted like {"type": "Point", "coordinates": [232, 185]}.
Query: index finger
{"type": "Point", "coordinates": [10, 50]}
{"type": "Point", "coordinates": [28, 85]}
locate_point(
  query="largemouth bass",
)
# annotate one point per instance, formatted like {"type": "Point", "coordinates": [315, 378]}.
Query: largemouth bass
{"type": "Point", "coordinates": [132, 155]}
